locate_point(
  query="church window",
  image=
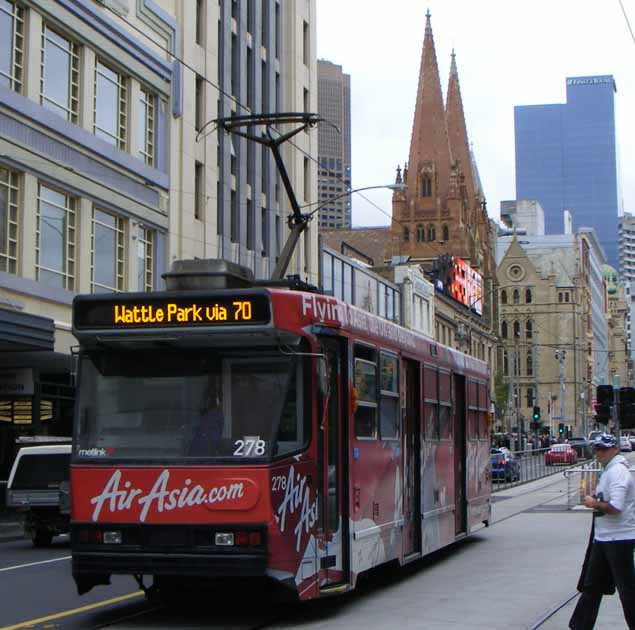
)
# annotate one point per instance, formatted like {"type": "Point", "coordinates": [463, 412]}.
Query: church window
{"type": "Point", "coordinates": [503, 296]}
{"type": "Point", "coordinates": [504, 330]}
{"type": "Point", "coordinates": [529, 329]}
{"type": "Point", "coordinates": [505, 362]}
{"type": "Point", "coordinates": [431, 232]}
{"type": "Point", "coordinates": [421, 233]}
{"type": "Point", "coordinates": [530, 364]}
{"type": "Point", "coordinates": [516, 329]}
{"type": "Point", "coordinates": [426, 186]}
{"type": "Point", "coordinates": [446, 233]}
{"type": "Point", "coordinates": [406, 233]}
{"type": "Point", "coordinates": [528, 296]}
{"type": "Point", "coordinates": [516, 296]}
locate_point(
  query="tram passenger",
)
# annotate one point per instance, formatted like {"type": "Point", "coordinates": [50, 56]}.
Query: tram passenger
{"type": "Point", "coordinates": [609, 559]}
{"type": "Point", "coordinates": [207, 435]}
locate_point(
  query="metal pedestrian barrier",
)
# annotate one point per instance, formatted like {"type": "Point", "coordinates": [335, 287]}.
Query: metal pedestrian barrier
{"type": "Point", "coordinates": [581, 481]}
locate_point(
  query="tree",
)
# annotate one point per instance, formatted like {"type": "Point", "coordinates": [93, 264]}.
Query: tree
{"type": "Point", "coordinates": [501, 391]}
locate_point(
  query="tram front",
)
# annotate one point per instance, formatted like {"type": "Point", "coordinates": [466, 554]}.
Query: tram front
{"type": "Point", "coordinates": [193, 411]}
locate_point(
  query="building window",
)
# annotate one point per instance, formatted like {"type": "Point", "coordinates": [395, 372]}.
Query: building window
{"type": "Point", "coordinates": [11, 45]}
{"type": "Point", "coordinates": [516, 330]}
{"type": "Point", "coordinates": [446, 233]}
{"type": "Point", "coordinates": [110, 106]}
{"type": "Point", "coordinates": [516, 296]}
{"type": "Point", "coordinates": [200, 22]}
{"type": "Point", "coordinates": [431, 232]}
{"type": "Point", "coordinates": [530, 397]}
{"type": "Point", "coordinates": [529, 329]}
{"type": "Point", "coordinates": [406, 233]}
{"type": "Point", "coordinates": [426, 186]}
{"type": "Point", "coordinates": [145, 129]}
{"type": "Point", "coordinates": [530, 364]}
{"type": "Point", "coordinates": [503, 296]}
{"type": "Point", "coordinates": [55, 239]}
{"type": "Point", "coordinates": [108, 252]}
{"type": "Point", "coordinates": [504, 330]}
{"type": "Point", "coordinates": [145, 259]}
{"type": "Point", "coordinates": [59, 75]}
{"type": "Point", "coordinates": [199, 190]}
{"type": "Point", "coordinates": [9, 195]}
{"type": "Point", "coordinates": [199, 104]}
{"type": "Point", "coordinates": [505, 362]}
{"type": "Point", "coordinates": [421, 233]}
{"type": "Point", "coordinates": [528, 296]}
{"type": "Point", "coordinates": [306, 44]}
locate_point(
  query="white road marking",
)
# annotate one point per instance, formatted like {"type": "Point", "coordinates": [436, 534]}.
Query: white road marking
{"type": "Point", "coordinates": [32, 564]}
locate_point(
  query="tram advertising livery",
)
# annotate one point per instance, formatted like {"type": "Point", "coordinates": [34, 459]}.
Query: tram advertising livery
{"type": "Point", "coordinates": [267, 433]}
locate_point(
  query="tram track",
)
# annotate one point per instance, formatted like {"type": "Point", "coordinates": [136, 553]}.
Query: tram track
{"type": "Point", "coordinates": [539, 623]}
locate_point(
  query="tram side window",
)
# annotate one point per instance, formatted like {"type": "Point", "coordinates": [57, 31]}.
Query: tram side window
{"type": "Point", "coordinates": [445, 406]}
{"type": "Point", "coordinates": [472, 411]}
{"type": "Point", "coordinates": [431, 406]}
{"type": "Point", "coordinates": [366, 386]}
{"type": "Point", "coordinates": [389, 402]}
{"type": "Point", "coordinates": [483, 411]}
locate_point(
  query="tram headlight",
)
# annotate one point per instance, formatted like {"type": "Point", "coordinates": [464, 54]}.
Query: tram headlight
{"type": "Point", "coordinates": [224, 539]}
{"type": "Point", "coordinates": [112, 538]}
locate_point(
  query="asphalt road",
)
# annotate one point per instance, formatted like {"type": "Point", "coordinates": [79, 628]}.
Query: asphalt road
{"type": "Point", "coordinates": [505, 576]}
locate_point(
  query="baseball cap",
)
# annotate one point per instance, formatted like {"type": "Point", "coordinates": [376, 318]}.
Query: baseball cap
{"type": "Point", "coordinates": [605, 441]}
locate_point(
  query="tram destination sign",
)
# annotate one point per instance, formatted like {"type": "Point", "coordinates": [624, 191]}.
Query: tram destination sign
{"type": "Point", "coordinates": [167, 312]}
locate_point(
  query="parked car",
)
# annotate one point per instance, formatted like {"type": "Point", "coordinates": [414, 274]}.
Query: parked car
{"type": "Point", "coordinates": [561, 454]}
{"type": "Point", "coordinates": [504, 465]}
{"type": "Point", "coordinates": [625, 444]}
{"type": "Point", "coordinates": [582, 447]}
{"type": "Point", "coordinates": [34, 488]}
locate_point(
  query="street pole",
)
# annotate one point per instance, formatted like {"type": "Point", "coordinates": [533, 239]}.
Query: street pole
{"type": "Point", "coordinates": [584, 427]}
{"type": "Point", "coordinates": [517, 374]}
{"type": "Point", "coordinates": [615, 412]}
{"type": "Point", "coordinates": [560, 355]}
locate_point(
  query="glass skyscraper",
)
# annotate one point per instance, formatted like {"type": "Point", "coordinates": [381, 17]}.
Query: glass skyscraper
{"type": "Point", "coordinates": [566, 158]}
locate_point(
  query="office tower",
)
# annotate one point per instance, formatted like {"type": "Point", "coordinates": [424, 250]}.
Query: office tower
{"type": "Point", "coordinates": [566, 159]}
{"type": "Point", "coordinates": [334, 146]}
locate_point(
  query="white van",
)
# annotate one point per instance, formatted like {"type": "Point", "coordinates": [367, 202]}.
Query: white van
{"type": "Point", "coordinates": [34, 488]}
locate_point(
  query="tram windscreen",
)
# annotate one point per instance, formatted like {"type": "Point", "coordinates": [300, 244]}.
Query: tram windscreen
{"type": "Point", "coordinates": [192, 404]}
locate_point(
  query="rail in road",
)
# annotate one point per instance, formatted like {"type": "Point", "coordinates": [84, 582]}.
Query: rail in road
{"type": "Point", "coordinates": [504, 576]}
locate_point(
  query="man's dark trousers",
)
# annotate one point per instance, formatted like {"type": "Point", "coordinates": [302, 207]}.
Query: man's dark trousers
{"type": "Point", "coordinates": [609, 563]}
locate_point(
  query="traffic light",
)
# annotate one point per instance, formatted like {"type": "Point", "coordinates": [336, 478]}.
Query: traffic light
{"type": "Point", "coordinates": [604, 403]}
{"type": "Point", "coordinates": [604, 395]}
{"type": "Point", "coordinates": [561, 428]}
{"type": "Point", "coordinates": [536, 415]}
{"type": "Point", "coordinates": [627, 408]}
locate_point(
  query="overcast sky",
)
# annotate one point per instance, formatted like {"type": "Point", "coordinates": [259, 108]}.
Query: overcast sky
{"type": "Point", "coordinates": [508, 53]}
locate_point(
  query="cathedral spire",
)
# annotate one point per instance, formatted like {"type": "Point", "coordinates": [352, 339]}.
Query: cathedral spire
{"type": "Point", "coordinates": [457, 130]}
{"type": "Point", "coordinates": [429, 145]}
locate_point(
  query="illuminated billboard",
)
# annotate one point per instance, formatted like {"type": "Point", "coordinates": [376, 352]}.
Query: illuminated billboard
{"type": "Point", "coordinates": [459, 281]}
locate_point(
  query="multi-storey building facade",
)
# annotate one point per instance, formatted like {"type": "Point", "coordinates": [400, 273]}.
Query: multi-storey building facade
{"type": "Point", "coordinates": [110, 168]}
{"type": "Point", "coordinates": [553, 326]}
{"type": "Point", "coordinates": [617, 316]}
{"type": "Point", "coordinates": [626, 243]}
{"type": "Point", "coordinates": [566, 158]}
{"type": "Point", "coordinates": [334, 146]}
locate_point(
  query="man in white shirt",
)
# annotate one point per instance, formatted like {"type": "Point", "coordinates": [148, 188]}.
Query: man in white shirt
{"type": "Point", "coordinates": [610, 561]}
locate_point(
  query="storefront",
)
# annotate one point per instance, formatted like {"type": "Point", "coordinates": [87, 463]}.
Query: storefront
{"type": "Point", "coordinates": [36, 386]}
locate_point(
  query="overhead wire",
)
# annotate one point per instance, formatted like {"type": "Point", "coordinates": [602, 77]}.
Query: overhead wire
{"type": "Point", "coordinates": [245, 108]}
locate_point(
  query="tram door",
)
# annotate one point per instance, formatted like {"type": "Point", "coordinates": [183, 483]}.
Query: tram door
{"type": "Point", "coordinates": [460, 449]}
{"type": "Point", "coordinates": [333, 549]}
{"type": "Point", "coordinates": [412, 459]}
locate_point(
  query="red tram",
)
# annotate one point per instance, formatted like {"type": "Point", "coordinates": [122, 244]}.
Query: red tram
{"type": "Point", "coordinates": [268, 433]}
